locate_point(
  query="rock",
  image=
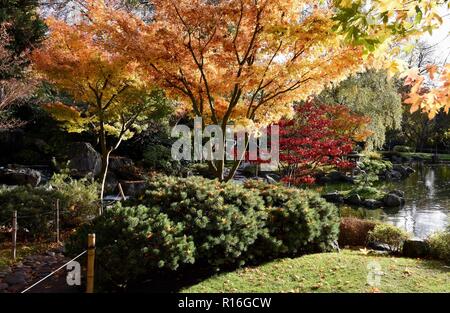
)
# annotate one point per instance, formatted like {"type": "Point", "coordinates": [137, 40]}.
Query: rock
{"type": "Point", "coordinates": [393, 200]}
{"type": "Point", "coordinates": [372, 203]}
{"type": "Point", "coordinates": [118, 162]}
{"type": "Point", "coordinates": [354, 199]}
{"type": "Point", "coordinates": [335, 246]}
{"type": "Point", "coordinates": [397, 192]}
{"type": "Point", "coordinates": [336, 176]}
{"type": "Point", "coordinates": [395, 175]}
{"type": "Point", "coordinates": [133, 188]}
{"type": "Point", "coordinates": [334, 197]}
{"type": "Point", "coordinates": [3, 286]}
{"type": "Point", "coordinates": [379, 246]}
{"type": "Point", "coordinates": [405, 171]}
{"type": "Point", "coordinates": [19, 176]}
{"type": "Point", "coordinates": [415, 249]}
{"type": "Point", "coordinates": [84, 160]}
{"type": "Point", "coordinates": [16, 278]}
{"type": "Point", "coordinates": [51, 253]}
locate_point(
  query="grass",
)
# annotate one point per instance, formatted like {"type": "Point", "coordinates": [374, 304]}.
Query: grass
{"type": "Point", "coordinates": [332, 272]}
{"type": "Point", "coordinates": [23, 250]}
{"type": "Point", "coordinates": [422, 155]}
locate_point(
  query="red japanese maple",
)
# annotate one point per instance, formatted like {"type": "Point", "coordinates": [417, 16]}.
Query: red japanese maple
{"type": "Point", "coordinates": [319, 135]}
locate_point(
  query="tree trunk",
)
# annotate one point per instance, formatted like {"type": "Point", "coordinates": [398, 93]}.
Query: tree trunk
{"type": "Point", "coordinates": [104, 173]}
{"type": "Point", "coordinates": [105, 162]}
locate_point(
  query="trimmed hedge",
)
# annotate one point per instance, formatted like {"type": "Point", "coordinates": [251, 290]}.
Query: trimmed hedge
{"type": "Point", "coordinates": [215, 225]}
{"type": "Point", "coordinates": [355, 231]}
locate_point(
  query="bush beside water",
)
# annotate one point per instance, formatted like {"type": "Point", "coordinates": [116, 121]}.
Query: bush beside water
{"type": "Point", "coordinates": [211, 224]}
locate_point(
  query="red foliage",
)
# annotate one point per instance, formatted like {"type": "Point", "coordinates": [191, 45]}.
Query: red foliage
{"type": "Point", "coordinates": [319, 135]}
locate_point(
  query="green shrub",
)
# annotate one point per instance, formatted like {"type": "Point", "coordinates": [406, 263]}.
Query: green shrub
{"type": "Point", "coordinates": [79, 198]}
{"type": "Point", "coordinates": [159, 157]}
{"type": "Point", "coordinates": [389, 235]}
{"type": "Point", "coordinates": [224, 219]}
{"type": "Point", "coordinates": [201, 169]}
{"type": "Point", "coordinates": [366, 192]}
{"type": "Point", "coordinates": [134, 243]}
{"type": "Point", "coordinates": [402, 149]}
{"type": "Point", "coordinates": [215, 226]}
{"type": "Point", "coordinates": [374, 166]}
{"type": "Point", "coordinates": [35, 209]}
{"type": "Point", "coordinates": [440, 245]}
{"type": "Point", "coordinates": [298, 221]}
{"type": "Point", "coordinates": [373, 155]}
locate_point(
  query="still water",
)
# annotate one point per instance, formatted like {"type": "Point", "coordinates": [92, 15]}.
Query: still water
{"type": "Point", "coordinates": [427, 208]}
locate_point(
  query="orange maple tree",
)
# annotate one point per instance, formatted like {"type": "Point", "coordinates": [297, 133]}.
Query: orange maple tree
{"type": "Point", "coordinates": [237, 61]}
{"type": "Point", "coordinates": [429, 100]}
{"type": "Point", "coordinates": [109, 95]}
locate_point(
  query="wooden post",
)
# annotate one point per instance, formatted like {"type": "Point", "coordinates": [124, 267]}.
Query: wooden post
{"type": "Point", "coordinates": [14, 235]}
{"type": "Point", "coordinates": [90, 264]}
{"type": "Point", "coordinates": [57, 220]}
{"type": "Point", "coordinates": [122, 194]}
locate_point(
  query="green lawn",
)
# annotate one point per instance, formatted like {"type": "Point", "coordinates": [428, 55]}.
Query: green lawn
{"type": "Point", "coordinates": [425, 156]}
{"type": "Point", "coordinates": [333, 272]}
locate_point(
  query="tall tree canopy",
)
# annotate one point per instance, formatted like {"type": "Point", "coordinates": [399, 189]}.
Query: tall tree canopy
{"type": "Point", "coordinates": [373, 94]}
{"type": "Point", "coordinates": [246, 61]}
{"type": "Point", "coordinates": [237, 61]}
{"type": "Point", "coordinates": [109, 92]}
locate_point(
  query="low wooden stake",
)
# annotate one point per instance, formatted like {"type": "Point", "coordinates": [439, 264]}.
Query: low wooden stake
{"type": "Point", "coordinates": [57, 220]}
{"type": "Point", "coordinates": [122, 194]}
{"type": "Point", "coordinates": [14, 235]}
{"type": "Point", "coordinates": [90, 263]}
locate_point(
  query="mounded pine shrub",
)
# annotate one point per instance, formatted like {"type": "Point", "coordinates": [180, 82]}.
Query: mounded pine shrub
{"type": "Point", "coordinates": [298, 220]}
{"type": "Point", "coordinates": [223, 219]}
{"type": "Point", "coordinates": [210, 224]}
{"type": "Point", "coordinates": [133, 242]}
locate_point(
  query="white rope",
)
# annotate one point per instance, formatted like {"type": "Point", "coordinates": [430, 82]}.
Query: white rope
{"type": "Point", "coordinates": [54, 272]}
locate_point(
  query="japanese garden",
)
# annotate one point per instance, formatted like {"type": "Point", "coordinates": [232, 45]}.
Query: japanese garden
{"type": "Point", "coordinates": [224, 146]}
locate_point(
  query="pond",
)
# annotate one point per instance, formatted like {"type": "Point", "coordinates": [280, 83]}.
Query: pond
{"type": "Point", "coordinates": [427, 208]}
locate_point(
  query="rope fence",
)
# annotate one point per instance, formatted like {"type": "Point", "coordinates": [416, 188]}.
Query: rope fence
{"type": "Point", "coordinates": [54, 272]}
{"type": "Point", "coordinates": [57, 213]}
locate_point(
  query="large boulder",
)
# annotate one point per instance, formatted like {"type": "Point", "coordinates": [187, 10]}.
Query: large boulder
{"type": "Point", "coordinates": [416, 249]}
{"type": "Point", "coordinates": [84, 160]}
{"type": "Point", "coordinates": [334, 197]}
{"type": "Point", "coordinates": [392, 200]}
{"type": "Point", "coordinates": [354, 199]}
{"type": "Point", "coordinates": [336, 176]}
{"type": "Point", "coordinates": [372, 203]}
{"type": "Point", "coordinates": [19, 176]}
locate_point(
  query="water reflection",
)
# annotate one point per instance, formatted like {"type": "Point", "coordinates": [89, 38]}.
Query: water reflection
{"type": "Point", "coordinates": [427, 208]}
